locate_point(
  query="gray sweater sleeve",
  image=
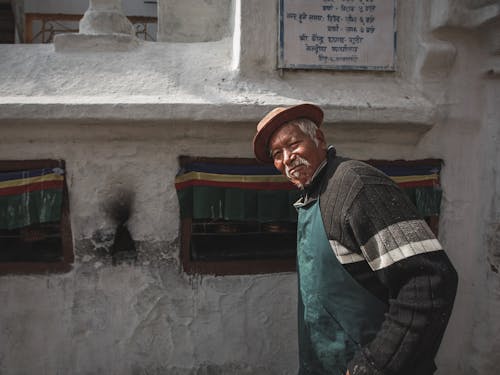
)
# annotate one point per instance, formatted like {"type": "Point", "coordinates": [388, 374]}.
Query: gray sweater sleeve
{"type": "Point", "coordinates": [408, 260]}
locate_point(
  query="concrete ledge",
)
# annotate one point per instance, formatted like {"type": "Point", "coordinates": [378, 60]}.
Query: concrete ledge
{"type": "Point", "coordinates": [95, 43]}
{"type": "Point", "coordinates": [141, 119]}
{"type": "Point", "coordinates": [420, 115]}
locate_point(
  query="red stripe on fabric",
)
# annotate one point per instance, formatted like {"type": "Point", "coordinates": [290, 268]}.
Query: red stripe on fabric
{"type": "Point", "coordinates": [241, 185]}
{"type": "Point", "coordinates": [44, 185]}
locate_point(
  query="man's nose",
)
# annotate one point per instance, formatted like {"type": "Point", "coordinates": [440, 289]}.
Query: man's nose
{"type": "Point", "coordinates": [288, 156]}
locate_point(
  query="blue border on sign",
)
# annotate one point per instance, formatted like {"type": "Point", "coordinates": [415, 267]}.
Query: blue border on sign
{"type": "Point", "coordinates": [281, 33]}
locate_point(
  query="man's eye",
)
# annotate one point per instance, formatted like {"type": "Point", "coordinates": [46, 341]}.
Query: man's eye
{"type": "Point", "coordinates": [276, 154]}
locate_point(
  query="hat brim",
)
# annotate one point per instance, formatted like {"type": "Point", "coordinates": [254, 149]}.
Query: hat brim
{"type": "Point", "coordinates": [261, 139]}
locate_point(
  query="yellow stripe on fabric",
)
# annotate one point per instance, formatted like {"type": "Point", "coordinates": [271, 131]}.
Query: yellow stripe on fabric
{"type": "Point", "coordinates": [31, 180]}
{"type": "Point", "coordinates": [277, 178]}
{"type": "Point", "coordinates": [229, 178]}
{"type": "Point", "coordinates": [402, 179]}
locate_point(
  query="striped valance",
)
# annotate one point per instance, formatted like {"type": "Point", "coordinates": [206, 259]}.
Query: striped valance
{"type": "Point", "coordinates": [219, 191]}
{"type": "Point", "coordinates": [30, 197]}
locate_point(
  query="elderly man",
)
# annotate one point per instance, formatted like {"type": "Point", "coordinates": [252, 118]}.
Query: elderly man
{"type": "Point", "coordinates": [376, 288]}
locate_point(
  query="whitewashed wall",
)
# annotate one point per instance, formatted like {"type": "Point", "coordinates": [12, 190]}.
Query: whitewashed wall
{"type": "Point", "coordinates": [122, 118]}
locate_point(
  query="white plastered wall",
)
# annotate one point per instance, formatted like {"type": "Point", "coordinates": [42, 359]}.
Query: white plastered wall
{"type": "Point", "coordinates": [121, 119]}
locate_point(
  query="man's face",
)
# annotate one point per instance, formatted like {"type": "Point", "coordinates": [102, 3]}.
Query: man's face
{"type": "Point", "coordinates": [295, 154]}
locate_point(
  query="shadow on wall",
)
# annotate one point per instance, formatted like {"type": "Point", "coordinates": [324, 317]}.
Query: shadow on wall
{"type": "Point", "coordinates": [119, 209]}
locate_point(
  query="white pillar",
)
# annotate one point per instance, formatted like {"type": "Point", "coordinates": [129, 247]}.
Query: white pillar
{"type": "Point", "coordinates": [103, 28]}
{"type": "Point", "coordinates": [105, 17]}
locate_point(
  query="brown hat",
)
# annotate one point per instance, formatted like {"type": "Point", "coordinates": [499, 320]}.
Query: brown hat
{"type": "Point", "coordinates": [278, 117]}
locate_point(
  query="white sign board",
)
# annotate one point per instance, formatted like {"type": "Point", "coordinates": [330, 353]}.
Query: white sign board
{"type": "Point", "coordinates": [337, 34]}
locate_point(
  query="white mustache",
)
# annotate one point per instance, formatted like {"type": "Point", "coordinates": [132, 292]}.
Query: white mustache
{"type": "Point", "coordinates": [296, 162]}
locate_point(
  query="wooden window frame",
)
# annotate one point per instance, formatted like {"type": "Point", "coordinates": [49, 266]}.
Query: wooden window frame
{"type": "Point", "coordinates": [67, 256]}
{"type": "Point", "coordinates": [226, 267]}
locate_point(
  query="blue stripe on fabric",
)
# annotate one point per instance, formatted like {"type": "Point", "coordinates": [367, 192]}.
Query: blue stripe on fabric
{"type": "Point", "coordinates": [8, 176]}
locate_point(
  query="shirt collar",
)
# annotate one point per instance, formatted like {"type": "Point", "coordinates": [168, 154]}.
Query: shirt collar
{"type": "Point", "coordinates": [316, 179]}
{"type": "Point", "coordinates": [318, 170]}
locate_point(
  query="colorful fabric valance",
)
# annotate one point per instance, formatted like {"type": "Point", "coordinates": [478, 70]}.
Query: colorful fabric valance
{"type": "Point", "coordinates": [217, 191]}
{"type": "Point", "coordinates": [235, 192]}
{"type": "Point", "coordinates": [30, 197]}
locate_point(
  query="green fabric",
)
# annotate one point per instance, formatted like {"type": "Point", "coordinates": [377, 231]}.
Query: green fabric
{"type": "Point", "coordinates": [208, 202]}
{"type": "Point", "coordinates": [215, 203]}
{"type": "Point", "coordinates": [336, 314]}
{"type": "Point", "coordinates": [17, 211]}
{"type": "Point", "coordinates": [240, 204]}
{"type": "Point", "coordinates": [426, 199]}
{"type": "Point", "coordinates": [185, 197]}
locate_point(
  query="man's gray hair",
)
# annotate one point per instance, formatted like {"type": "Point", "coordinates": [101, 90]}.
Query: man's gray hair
{"type": "Point", "coordinates": [308, 127]}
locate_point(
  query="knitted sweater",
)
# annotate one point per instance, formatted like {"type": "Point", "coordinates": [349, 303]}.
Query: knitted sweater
{"type": "Point", "coordinates": [376, 233]}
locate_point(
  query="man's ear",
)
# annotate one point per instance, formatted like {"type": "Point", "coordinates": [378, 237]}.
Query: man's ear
{"type": "Point", "coordinates": [321, 139]}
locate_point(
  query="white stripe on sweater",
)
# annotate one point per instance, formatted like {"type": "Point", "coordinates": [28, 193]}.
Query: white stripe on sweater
{"type": "Point", "coordinates": [343, 254]}
{"type": "Point", "coordinates": [402, 252]}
